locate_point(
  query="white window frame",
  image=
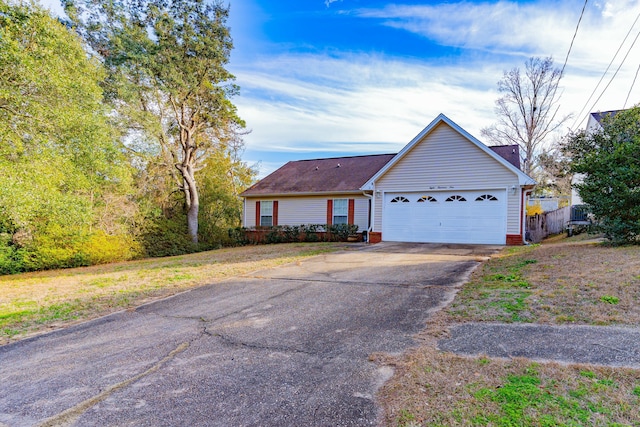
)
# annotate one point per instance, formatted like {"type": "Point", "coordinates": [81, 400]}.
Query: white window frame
{"type": "Point", "coordinates": [340, 211]}
{"type": "Point", "coordinates": [266, 213]}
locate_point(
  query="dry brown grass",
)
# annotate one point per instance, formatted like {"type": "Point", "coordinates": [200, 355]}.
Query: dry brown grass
{"type": "Point", "coordinates": [34, 302]}
{"type": "Point", "coordinates": [561, 281]}
{"type": "Point", "coordinates": [580, 282]}
{"type": "Point", "coordinates": [432, 388]}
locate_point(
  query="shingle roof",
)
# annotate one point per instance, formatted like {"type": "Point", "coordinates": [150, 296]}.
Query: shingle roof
{"type": "Point", "coordinates": [598, 116]}
{"type": "Point", "coordinates": [337, 174]}
{"type": "Point", "coordinates": [511, 153]}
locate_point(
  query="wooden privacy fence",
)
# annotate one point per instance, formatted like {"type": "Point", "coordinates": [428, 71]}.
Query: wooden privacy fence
{"type": "Point", "coordinates": [547, 223]}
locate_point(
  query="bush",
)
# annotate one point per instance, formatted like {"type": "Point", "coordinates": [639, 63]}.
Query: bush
{"type": "Point", "coordinates": [55, 246]}
{"type": "Point", "coordinates": [10, 262]}
{"type": "Point", "coordinates": [340, 232]}
{"type": "Point", "coordinates": [310, 232]}
{"type": "Point", "coordinates": [608, 161]}
{"type": "Point", "coordinates": [238, 236]}
{"type": "Point", "coordinates": [167, 237]}
{"type": "Point", "coordinates": [304, 233]}
{"type": "Point", "coordinates": [102, 248]}
{"type": "Point", "coordinates": [534, 210]}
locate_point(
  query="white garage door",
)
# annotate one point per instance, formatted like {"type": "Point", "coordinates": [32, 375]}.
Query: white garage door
{"type": "Point", "coordinates": [446, 217]}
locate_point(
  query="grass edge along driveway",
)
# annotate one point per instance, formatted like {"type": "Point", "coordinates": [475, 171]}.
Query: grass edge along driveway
{"type": "Point", "coordinates": [560, 282]}
{"type": "Point", "coordinates": [32, 303]}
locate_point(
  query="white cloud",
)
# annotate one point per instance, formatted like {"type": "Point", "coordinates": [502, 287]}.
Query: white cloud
{"type": "Point", "coordinates": [358, 103]}
{"type": "Point", "coordinates": [344, 101]}
{"type": "Point", "coordinates": [532, 29]}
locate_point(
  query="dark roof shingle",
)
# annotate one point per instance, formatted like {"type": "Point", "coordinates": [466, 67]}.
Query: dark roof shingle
{"type": "Point", "coordinates": [511, 153]}
{"type": "Point", "coordinates": [337, 174]}
{"type": "Point", "coordinates": [600, 115]}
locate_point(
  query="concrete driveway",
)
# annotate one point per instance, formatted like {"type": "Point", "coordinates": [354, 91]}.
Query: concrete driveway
{"type": "Point", "coordinates": [280, 347]}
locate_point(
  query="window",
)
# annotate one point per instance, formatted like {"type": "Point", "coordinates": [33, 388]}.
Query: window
{"type": "Point", "coordinates": [340, 211]}
{"type": "Point", "coordinates": [456, 198]}
{"type": "Point", "coordinates": [427, 199]}
{"type": "Point", "coordinates": [486, 197]}
{"type": "Point", "coordinates": [400, 199]}
{"type": "Point", "coordinates": [266, 213]}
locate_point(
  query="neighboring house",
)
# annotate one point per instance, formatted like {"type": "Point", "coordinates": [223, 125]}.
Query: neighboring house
{"type": "Point", "coordinates": [547, 204]}
{"type": "Point", "coordinates": [445, 186]}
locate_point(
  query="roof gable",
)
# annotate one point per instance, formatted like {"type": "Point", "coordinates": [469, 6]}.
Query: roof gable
{"type": "Point", "coordinates": [595, 119]}
{"type": "Point", "coordinates": [332, 175]}
{"type": "Point", "coordinates": [523, 179]}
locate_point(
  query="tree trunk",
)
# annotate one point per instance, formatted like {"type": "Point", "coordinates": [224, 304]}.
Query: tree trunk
{"type": "Point", "coordinates": [192, 202]}
{"type": "Point", "coordinates": [192, 221]}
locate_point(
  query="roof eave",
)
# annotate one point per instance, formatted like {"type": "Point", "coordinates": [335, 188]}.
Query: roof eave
{"type": "Point", "coordinates": [297, 194]}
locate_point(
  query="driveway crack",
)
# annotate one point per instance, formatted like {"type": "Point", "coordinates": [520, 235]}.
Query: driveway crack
{"type": "Point", "coordinates": [227, 340]}
{"type": "Point", "coordinates": [232, 313]}
{"type": "Point", "coordinates": [71, 415]}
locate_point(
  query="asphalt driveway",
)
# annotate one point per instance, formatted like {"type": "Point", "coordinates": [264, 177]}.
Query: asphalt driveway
{"type": "Point", "coordinates": [280, 347]}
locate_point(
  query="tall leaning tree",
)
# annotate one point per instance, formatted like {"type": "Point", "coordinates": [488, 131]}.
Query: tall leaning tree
{"type": "Point", "coordinates": [528, 110]}
{"type": "Point", "coordinates": [167, 80]}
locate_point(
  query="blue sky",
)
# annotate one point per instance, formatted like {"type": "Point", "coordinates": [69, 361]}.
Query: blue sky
{"type": "Point", "coordinates": [346, 77]}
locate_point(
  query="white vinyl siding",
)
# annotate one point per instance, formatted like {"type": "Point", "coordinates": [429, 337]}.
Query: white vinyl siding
{"type": "Point", "coordinates": [447, 161]}
{"type": "Point", "coordinates": [309, 210]}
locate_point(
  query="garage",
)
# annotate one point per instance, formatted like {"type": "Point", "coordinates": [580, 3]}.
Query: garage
{"type": "Point", "coordinates": [475, 217]}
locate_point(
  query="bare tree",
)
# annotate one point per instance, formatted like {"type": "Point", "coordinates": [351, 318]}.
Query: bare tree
{"type": "Point", "coordinates": [555, 173]}
{"type": "Point", "coordinates": [528, 109]}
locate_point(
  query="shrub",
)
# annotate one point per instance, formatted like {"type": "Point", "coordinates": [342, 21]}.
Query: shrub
{"type": "Point", "coordinates": [340, 232]}
{"type": "Point", "coordinates": [275, 235]}
{"type": "Point", "coordinates": [167, 237]}
{"type": "Point", "coordinates": [534, 210]}
{"type": "Point", "coordinates": [102, 248]}
{"type": "Point", "coordinates": [608, 161]}
{"type": "Point", "coordinates": [310, 232]}
{"type": "Point", "coordinates": [10, 262]}
{"type": "Point", "coordinates": [238, 236]}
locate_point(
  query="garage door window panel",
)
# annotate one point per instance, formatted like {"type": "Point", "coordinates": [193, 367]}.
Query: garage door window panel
{"type": "Point", "coordinates": [486, 197]}
{"type": "Point", "coordinates": [400, 199]}
{"type": "Point", "coordinates": [429, 199]}
{"type": "Point", "coordinates": [455, 198]}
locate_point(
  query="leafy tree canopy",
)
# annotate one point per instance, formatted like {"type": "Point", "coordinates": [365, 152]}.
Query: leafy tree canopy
{"type": "Point", "coordinates": [167, 81]}
{"type": "Point", "coordinates": [58, 153]}
{"type": "Point", "coordinates": [609, 162]}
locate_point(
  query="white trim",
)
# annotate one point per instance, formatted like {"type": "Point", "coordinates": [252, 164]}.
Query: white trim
{"type": "Point", "coordinates": [523, 179]}
{"type": "Point", "coordinates": [370, 212]}
{"type": "Point", "coordinates": [316, 193]}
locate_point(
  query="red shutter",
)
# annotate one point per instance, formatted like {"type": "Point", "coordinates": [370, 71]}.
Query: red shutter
{"type": "Point", "coordinates": [352, 210]}
{"type": "Point", "coordinates": [275, 213]}
{"type": "Point", "coordinates": [258, 214]}
{"type": "Point", "coordinates": [329, 212]}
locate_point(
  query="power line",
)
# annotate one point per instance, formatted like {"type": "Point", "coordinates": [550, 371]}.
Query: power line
{"type": "Point", "coordinates": [584, 6]}
{"type": "Point", "coordinates": [618, 69]}
{"type": "Point", "coordinates": [605, 73]}
{"type": "Point", "coordinates": [631, 88]}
